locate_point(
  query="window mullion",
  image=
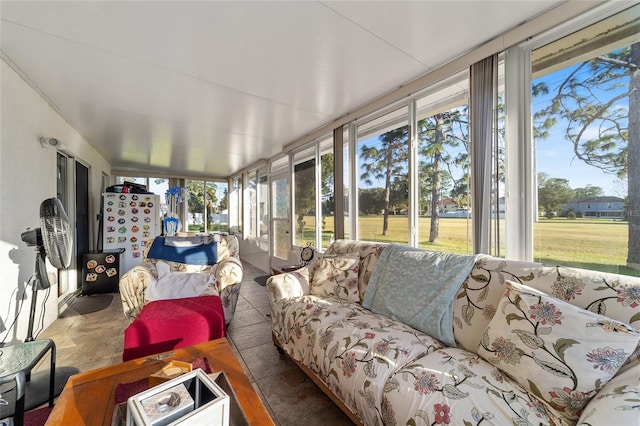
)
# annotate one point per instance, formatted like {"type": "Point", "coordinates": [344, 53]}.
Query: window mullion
{"type": "Point", "coordinates": [520, 185]}
{"type": "Point", "coordinates": [413, 175]}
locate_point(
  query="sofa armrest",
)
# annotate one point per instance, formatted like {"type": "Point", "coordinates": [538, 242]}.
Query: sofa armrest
{"type": "Point", "coordinates": [618, 399]}
{"type": "Point", "coordinates": [288, 285]}
{"type": "Point", "coordinates": [133, 285]}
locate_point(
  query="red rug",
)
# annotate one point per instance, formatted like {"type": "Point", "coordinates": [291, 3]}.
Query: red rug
{"type": "Point", "coordinates": [37, 417]}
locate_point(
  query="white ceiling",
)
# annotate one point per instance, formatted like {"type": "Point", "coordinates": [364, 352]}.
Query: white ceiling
{"type": "Point", "coordinates": [207, 88]}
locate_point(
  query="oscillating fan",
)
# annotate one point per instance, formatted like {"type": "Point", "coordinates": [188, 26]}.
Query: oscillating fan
{"type": "Point", "coordinates": [52, 240]}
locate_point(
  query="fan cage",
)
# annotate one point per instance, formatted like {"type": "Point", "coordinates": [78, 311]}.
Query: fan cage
{"type": "Point", "coordinates": [56, 232]}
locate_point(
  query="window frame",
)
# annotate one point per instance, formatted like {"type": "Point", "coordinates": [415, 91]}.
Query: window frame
{"type": "Point", "coordinates": [521, 189]}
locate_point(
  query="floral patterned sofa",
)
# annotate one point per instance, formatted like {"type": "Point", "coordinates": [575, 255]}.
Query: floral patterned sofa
{"type": "Point", "coordinates": [227, 271]}
{"type": "Point", "coordinates": [533, 344]}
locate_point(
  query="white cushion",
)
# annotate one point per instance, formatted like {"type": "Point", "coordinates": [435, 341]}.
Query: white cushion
{"type": "Point", "coordinates": [336, 276]}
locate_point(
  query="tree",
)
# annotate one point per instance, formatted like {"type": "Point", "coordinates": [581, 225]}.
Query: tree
{"type": "Point", "coordinates": [436, 134]}
{"type": "Point", "coordinates": [592, 97]}
{"type": "Point", "coordinates": [384, 161]}
{"type": "Point", "coordinates": [223, 204]}
{"type": "Point", "coordinates": [371, 200]}
{"type": "Point", "coordinates": [195, 190]}
{"type": "Point", "coordinates": [399, 192]}
{"type": "Point", "coordinates": [327, 185]}
{"type": "Point", "coordinates": [588, 191]}
{"type": "Point", "coordinates": [202, 197]}
{"type": "Point", "coordinates": [553, 193]}
{"type": "Point", "coordinates": [305, 193]}
{"type": "Point", "coordinates": [305, 189]}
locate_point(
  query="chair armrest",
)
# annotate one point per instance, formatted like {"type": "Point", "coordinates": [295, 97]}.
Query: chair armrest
{"type": "Point", "coordinates": [288, 285]}
{"type": "Point", "coordinates": [228, 279]}
{"type": "Point", "coordinates": [228, 272]}
{"type": "Point", "coordinates": [133, 285]}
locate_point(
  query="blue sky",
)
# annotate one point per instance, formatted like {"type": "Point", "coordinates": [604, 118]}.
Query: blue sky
{"type": "Point", "coordinates": [558, 161]}
{"type": "Point", "coordinates": [555, 156]}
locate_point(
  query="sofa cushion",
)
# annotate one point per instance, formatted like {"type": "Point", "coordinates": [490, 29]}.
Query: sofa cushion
{"type": "Point", "coordinates": [336, 275]}
{"type": "Point", "coordinates": [616, 296]}
{"type": "Point", "coordinates": [355, 356]}
{"type": "Point", "coordinates": [457, 385]}
{"type": "Point", "coordinates": [557, 351]}
{"type": "Point", "coordinates": [369, 255]}
{"type": "Point", "coordinates": [296, 320]}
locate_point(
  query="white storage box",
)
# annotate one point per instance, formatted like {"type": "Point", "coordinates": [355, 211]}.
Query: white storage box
{"type": "Point", "coordinates": [190, 399]}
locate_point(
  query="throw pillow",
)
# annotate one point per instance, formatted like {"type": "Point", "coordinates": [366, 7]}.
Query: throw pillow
{"type": "Point", "coordinates": [557, 351]}
{"type": "Point", "coordinates": [336, 276]}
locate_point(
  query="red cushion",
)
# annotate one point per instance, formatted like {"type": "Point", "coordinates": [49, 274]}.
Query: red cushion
{"type": "Point", "coordinates": [163, 325]}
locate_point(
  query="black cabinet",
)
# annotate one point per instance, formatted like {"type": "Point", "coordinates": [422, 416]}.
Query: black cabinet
{"type": "Point", "coordinates": [100, 271]}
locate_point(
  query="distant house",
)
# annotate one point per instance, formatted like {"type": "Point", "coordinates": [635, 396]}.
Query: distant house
{"type": "Point", "coordinates": [606, 207]}
{"type": "Point", "coordinates": [448, 205]}
{"type": "Point", "coordinates": [449, 208]}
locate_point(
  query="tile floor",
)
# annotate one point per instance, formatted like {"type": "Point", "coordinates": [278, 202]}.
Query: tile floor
{"type": "Point", "coordinates": [89, 334]}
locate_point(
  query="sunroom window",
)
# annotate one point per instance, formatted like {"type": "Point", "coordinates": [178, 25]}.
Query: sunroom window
{"type": "Point", "coordinates": [383, 173]}
{"type": "Point", "coordinates": [326, 183]}
{"type": "Point", "coordinates": [235, 205]}
{"type": "Point", "coordinates": [444, 204]}
{"type": "Point", "coordinates": [304, 206]}
{"type": "Point", "coordinates": [586, 120]}
{"type": "Point", "coordinates": [206, 206]}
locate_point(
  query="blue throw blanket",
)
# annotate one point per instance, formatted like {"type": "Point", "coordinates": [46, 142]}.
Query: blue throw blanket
{"type": "Point", "coordinates": [417, 287]}
{"type": "Point", "coordinates": [204, 254]}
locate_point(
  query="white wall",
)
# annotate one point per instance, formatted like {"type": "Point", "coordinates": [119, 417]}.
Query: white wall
{"type": "Point", "coordinates": [28, 176]}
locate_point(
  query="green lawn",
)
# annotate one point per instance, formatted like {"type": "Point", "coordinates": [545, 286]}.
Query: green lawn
{"type": "Point", "coordinates": [599, 244]}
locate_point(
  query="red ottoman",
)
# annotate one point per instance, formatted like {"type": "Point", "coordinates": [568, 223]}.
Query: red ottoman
{"type": "Point", "coordinates": [164, 325]}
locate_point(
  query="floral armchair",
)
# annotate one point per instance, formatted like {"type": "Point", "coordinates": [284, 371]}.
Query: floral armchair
{"type": "Point", "coordinates": [225, 278]}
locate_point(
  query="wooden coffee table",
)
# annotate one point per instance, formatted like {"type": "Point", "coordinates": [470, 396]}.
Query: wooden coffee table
{"type": "Point", "coordinates": [89, 398]}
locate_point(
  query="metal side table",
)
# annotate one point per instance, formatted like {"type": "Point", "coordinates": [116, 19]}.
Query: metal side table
{"type": "Point", "coordinates": [23, 357]}
{"type": "Point", "coordinates": [18, 378]}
